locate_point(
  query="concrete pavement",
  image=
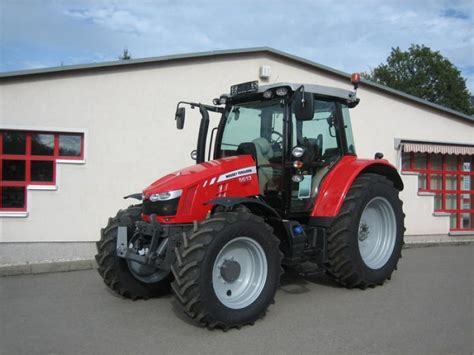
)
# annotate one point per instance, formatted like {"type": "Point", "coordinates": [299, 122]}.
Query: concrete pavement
{"type": "Point", "coordinates": [9, 269]}
{"type": "Point", "coordinates": [427, 307]}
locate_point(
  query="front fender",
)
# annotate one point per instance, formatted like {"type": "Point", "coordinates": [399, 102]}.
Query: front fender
{"type": "Point", "coordinates": [338, 181]}
{"type": "Point", "coordinates": [255, 205]}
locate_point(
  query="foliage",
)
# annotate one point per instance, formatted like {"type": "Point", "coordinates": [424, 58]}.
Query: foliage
{"type": "Point", "coordinates": [125, 55]}
{"type": "Point", "coordinates": [424, 73]}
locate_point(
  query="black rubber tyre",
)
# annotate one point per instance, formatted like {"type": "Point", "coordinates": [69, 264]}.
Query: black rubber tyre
{"type": "Point", "coordinates": [345, 263]}
{"type": "Point", "coordinates": [114, 270]}
{"type": "Point", "coordinates": [193, 269]}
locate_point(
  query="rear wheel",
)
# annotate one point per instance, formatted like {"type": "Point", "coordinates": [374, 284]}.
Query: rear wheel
{"type": "Point", "coordinates": [366, 238]}
{"type": "Point", "coordinates": [227, 270]}
{"type": "Point", "coordinates": [128, 278]}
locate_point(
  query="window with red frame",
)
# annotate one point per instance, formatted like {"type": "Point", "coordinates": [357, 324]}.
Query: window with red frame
{"type": "Point", "coordinates": [29, 158]}
{"type": "Point", "coordinates": [451, 179]}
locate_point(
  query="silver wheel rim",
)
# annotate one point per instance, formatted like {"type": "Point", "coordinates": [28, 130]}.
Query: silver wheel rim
{"type": "Point", "coordinates": [377, 233]}
{"type": "Point", "coordinates": [239, 273]}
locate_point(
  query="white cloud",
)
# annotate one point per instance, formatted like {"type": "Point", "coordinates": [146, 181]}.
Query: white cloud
{"type": "Point", "coordinates": [113, 19]}
{"type": "Point", "coordinates": [347, 35]}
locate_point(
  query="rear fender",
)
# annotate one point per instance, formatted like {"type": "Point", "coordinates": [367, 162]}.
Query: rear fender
{"type": "Point", "coordinates": [338, 181]}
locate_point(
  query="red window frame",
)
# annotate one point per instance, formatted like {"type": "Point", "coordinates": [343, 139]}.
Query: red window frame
{"type": "Point", "coordinates": [444, 192]}
{"type": "Point", "coordinates": [28, 158]}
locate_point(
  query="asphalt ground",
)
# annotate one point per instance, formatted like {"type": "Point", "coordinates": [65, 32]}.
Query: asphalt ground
{"type": "Point", "coordinates": [427, 307]}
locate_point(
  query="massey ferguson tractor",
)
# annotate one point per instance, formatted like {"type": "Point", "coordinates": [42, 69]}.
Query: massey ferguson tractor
{"type": "Point", "coordinates": [284, 189]}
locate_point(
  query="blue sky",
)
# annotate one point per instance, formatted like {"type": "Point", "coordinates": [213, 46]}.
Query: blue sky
{"type": "Point", "coordinates": [346, 35]}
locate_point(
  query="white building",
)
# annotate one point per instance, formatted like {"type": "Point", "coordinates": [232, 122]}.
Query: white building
{"type": "Point", "coordinates": [75, 139]}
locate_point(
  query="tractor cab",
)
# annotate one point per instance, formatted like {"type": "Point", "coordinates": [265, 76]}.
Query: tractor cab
{"type": "Point", "coordinates": [294, 132]}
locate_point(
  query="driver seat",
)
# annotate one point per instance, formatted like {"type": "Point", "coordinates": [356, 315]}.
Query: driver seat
{"type": "Point", "coordinates": [264, 154]}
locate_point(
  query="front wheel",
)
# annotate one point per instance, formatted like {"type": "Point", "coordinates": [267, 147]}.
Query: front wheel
{"type": "Point", "coordinates": [227, 270]}
{"type": "Point", "coordinates": [128, 278]}
{"type": "Point", "coordinates": [366, 238]}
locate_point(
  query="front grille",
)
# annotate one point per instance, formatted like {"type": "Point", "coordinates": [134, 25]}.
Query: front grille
{"type": "Point", "coordinates": [160, 208]}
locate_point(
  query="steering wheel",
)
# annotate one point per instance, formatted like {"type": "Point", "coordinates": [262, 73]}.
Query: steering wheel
{"type": "Point", "coordinates": [278, 140]}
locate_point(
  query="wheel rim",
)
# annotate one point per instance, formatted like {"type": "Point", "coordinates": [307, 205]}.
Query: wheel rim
{"type": "Point", "coordinates": [377, 233]}
{"type": "Point", "coordinates": [239, 273]}
{"type": "Point", "coordinates": [145, 273]}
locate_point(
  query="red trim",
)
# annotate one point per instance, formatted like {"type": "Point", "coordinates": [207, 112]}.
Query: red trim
{"type": "Point", "coordinates": [458, 174]}
{"type": "Point", "coordinates": [28, 158]}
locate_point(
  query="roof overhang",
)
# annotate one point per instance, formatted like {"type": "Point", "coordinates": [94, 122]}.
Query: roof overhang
{"type": "Point", "coordinates": [222, 53]}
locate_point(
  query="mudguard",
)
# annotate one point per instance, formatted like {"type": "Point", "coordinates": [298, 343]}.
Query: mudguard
{"type": "Point", "coordinates": [338, 181]}
{"type": "Point", "coordinates": [251, 203]}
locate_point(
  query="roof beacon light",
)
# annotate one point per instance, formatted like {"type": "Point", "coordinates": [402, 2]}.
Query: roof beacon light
{"type": "Point", "coordinates": [355, 80]}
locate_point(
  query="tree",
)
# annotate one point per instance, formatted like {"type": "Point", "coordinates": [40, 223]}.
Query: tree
{"type": "Point", "coordinates": [125, 55]}
{"type": "Point", "coordinates": [424, 73]}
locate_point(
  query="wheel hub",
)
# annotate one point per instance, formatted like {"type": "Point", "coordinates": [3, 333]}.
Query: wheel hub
{"type": "Point", "coordinates": [363, 232]}
{"type": "Point", "coordinates": [377, 232]}
{"type": "Point", "coordinates": [239, 273]}
{"type": "Point", "coordinates": [230, 270]}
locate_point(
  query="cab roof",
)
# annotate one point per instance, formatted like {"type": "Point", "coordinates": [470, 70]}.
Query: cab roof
{"type": "Point", "coordinates": [348, 96]}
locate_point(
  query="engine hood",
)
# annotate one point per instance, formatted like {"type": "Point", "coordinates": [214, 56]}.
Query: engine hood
{"type": "Point", "coordinates": [192, 175]}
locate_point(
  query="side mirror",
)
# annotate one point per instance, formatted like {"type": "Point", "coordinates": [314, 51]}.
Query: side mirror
{"type": "Point", "coordinates": [303, 106]}
{"type": "Point", "coordinates": [179, 117]}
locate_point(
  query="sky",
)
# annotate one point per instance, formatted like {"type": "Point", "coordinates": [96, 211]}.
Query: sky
{"type": "Point", "coordinates": [346, 35]}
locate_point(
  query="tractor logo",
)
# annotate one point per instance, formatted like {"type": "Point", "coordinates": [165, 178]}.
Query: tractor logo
{"type": "Point", "coordinates": [238, 173]}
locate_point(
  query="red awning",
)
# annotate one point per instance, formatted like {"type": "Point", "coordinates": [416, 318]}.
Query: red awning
{"type": "Point", "coordinates": [438, 148]}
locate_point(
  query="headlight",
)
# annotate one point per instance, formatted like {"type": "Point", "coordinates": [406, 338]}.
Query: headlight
{"type": "Point", "coordinates": [297, 152]}
{"type": "Point", "coordinates": [268, 94]}
{"type": "Point", "coordinates": [281, 91]}
{"type": "Point", "coordinates": [165, 196]}
{"type": "Point", "coordinates": [162, 203]}
{"type": "Point", "coordinates": [297, 178]}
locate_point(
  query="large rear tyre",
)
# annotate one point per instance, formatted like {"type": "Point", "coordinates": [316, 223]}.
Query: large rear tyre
{"type": "Point", "coordinates": [366, 238]}
{"type": "Point", "coordinates": [128, 279]}
{"type": "Point", "coordinates": [227, 270]}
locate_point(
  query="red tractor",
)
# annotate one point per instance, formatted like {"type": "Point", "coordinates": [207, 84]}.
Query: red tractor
{"type": "Point", "coordinates": [284, 189]}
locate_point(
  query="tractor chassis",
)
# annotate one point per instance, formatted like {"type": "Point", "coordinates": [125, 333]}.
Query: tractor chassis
{"type": "Point", "coordinates": [163, 238]}
{"type": "Point", "coordinates": [304, 250]}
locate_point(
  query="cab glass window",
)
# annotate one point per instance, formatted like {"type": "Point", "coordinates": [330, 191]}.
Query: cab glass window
{"type": "Point", "coordinates": [346, 118]}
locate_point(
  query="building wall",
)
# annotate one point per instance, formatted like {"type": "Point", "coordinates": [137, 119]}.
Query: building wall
{"type": "Point", "coordinates": [131, 139]}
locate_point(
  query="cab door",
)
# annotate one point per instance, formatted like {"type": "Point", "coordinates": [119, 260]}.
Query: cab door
{"type": "Point", "coordinates": [321, 140]}
{"type": "Point", "coordinates": [259, 123]}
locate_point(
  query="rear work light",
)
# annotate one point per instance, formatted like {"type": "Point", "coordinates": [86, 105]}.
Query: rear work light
{"type": "Point", "coordinates": [281, 91]}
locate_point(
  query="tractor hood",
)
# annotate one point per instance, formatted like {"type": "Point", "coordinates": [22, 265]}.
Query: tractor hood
{"type": "Point", "coordinates": [211, 172]}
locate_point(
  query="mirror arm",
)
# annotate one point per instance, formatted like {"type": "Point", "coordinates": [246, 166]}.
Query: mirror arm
{"type": "Point", "coordinates": [202, 135]}
{"type": "Point", "coordinates": [207, 107]}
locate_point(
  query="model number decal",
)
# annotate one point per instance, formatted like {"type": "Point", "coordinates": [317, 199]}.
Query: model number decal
{"type": "Point", "coordinates": [238, 173]}
{"type": "Point", "coordinates": [244, 180]}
